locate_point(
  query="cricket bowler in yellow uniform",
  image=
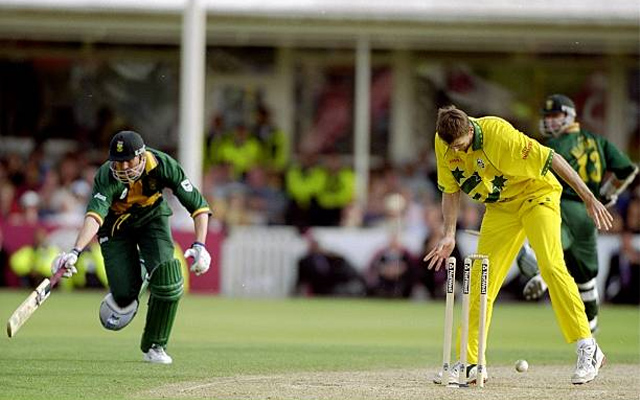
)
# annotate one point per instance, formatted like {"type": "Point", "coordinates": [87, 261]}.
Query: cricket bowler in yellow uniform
{"type": "Point", "coordinates": [510, 173]}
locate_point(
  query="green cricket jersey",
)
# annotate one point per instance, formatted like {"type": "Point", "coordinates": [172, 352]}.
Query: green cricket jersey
{"type": "Point", "coordinates": [591, 156]}
{"type": "Point", "coordinates": [134, 204]}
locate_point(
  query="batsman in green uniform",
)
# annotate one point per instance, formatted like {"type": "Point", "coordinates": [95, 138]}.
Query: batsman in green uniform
{"type": "Point", "coordinates": [131, 218]}
{"type": "Point", "coordinates": [592, 157]}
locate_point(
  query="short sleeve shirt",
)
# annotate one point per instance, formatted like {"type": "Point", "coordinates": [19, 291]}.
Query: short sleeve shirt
{"type": "Point", "coordinates": [502, 164]}
{"type": "Point", "coordinates": [143, 198]}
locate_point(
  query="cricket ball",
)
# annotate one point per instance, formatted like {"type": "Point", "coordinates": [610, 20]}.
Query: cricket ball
{"type": "Point", "coordinates": [522, 365]}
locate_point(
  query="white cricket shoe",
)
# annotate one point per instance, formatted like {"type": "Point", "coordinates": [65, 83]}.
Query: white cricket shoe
{"type": "Point", "coordinates": [535, 288]}
{"type": "Point", "coordinates": [157, 355]}
{"type": "Point", "coordinates": [472, 374]}
{"type": "Point", "coordinates": [453, 374]}
{"type": "Point", "coordinates": [590, 359]}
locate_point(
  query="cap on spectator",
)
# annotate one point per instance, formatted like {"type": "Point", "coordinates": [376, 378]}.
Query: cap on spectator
{"type": "Point", "coordinates": [29, 199]}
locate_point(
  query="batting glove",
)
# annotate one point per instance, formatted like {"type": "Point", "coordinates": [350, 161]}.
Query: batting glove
{"type": "Point", "coordinates": [201, 258]}
{"type": "Point", "coordinates": [67, 261]}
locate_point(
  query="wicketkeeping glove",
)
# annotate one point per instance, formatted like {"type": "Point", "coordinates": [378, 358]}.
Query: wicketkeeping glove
{"type": "Point", "coordinates": [67, 261]}
{"type": "Point", "coordinates": [201, 258]}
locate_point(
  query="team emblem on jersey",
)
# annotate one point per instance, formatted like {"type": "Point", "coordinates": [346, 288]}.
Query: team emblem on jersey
{"type": "Point", "coordinates": [153, 184]}
{"type": "Point", "coordinates": [120, 146]}
{"type": "Point", "coordinates": [527, 149]}
{"type": "Point", "coordinates": [186, 185]}
{"type": "Point", "coordinates": [480, 163]}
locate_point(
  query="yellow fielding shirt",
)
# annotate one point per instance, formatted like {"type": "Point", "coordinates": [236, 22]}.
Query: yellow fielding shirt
{"type": "Point", "coordinates": [501, 165]}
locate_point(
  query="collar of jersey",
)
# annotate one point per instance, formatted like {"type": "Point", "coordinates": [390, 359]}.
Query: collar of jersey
{"type": "Point", "coordinates": [477, 136]}
{"type": "Point", "coordinates": [151, 161]}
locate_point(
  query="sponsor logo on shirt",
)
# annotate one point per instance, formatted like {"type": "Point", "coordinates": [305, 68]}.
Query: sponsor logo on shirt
{"type": "Point", "coordinates": [455, 160]}
{"type": "Point", "coordinates": [527, 149]}
{"type": "Point", "coordinates": [480, 163]}
{"type": "Point", "coordinates": [100, 196]}
{"type": "Point", "coordinates": [186, 185]}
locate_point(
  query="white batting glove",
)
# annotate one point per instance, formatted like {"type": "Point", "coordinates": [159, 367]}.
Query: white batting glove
{"type": "Point", "coordinates": [201, 258]}
{"type": "Point", "coordinates": [67, 261]}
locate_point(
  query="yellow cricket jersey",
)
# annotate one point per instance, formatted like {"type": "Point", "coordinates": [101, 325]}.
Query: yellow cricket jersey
{"type": "Point", "coordinates": [502, 164]}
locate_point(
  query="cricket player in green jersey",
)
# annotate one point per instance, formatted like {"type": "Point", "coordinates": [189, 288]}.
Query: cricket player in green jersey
{"type": "Point", "coordinates": [495, 164]}
{"type": "Point", "coordinates": [131, 218]}
{"type": "Point", "coordinates": [592, 157]}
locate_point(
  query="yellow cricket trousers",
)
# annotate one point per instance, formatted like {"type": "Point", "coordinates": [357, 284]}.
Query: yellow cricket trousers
{"type": "Point", "coordinates": [503, 231]}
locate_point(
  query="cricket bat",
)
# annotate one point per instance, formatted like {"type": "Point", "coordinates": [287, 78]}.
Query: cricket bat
{"type": "Point", "coordinates": [32, 302]}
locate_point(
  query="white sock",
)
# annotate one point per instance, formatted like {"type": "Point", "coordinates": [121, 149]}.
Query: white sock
{"type": "Point", "coordinates": [586, 342]}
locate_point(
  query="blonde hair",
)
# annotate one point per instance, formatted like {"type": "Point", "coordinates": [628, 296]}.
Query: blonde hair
{"type": "Point", "coordinates": [451, 123]}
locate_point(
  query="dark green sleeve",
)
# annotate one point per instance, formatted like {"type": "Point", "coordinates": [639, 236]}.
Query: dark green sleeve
{"type": "Point", "coordinates": [617, 161]}
{"type": "Point", "coordinates": [104, 190]}
{"type": "Point", "coordinates": [175, 179]}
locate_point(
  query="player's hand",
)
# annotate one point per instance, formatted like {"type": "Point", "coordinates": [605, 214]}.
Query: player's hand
{"type": "Point", "coordinates": [201, 258]}
{"type": "Point", "coordinates": [599, 214]}
{"type": "Point", "coordinates": [441, 252]}
{"type": "Point", "coordinates": [67, 261]}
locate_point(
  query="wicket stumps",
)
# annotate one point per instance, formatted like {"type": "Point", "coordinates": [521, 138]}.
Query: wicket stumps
{"type": "Point", "coordinates": [448, 318]}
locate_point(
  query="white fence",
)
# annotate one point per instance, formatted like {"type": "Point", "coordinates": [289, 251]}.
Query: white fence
{"type": "Point", "coordinates": [262, 261]}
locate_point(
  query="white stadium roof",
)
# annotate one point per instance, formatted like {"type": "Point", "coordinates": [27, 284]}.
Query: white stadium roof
{"type": "Point", "coordinates": [549, 11]}
{"type": "Point", "coordinates": [569, 25]}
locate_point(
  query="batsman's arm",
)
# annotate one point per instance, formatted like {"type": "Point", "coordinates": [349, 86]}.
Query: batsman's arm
{"type": "Point", "coordinates": [597, 211]}
{"type": "Point", "coordinates": [88, 230]}
{"type": "Point", "coordinates": [201, 224]}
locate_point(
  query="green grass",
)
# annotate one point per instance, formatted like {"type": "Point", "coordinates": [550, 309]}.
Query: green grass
{"type": "Point", "coordinates": [64, 353]}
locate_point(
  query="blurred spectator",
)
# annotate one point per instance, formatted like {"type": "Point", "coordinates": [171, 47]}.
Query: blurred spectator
{"type": "Point", "coordinates": [242, 150]}
{"type": "Point", "coordinates": [470, 215]}
{"type": "Point", "coordinates": [336, 192]}
{"type": "Point", "coordinates": [265, 199]}
{"type": "Point", "coordinates": [623, 279]}
{"type": "Point", "coordinates": [4, 260]}
{"type": "Point", "coordinates": [275, 144]}
{"type": "Point", "coordinates": [375, 209]}
{"type": "Point", "coordinates": [91, 269]}
{"type": "Point", "coordinates": [417, 181]}
{"type": "Point", "coordinates": [384, 183]}
{"type": "Point", "coordinates": [214, 139]}
{"type": "Point", "coordinates": [632, 220]}
{"type": "Point", "coordinates": [14, 169]}
{"type": "Point", "coordinates": [234, 211]}
{"type": "Point", "coordinates": [391, 272]}
{"type": "Point", "coordinates": [303, 182]}
{"type": "Point", "coordinates": [434, 281]}
{"type": "Point", "coordinates": [33, 262]}
{"type": "Point", "coordinates": [322, 273]}
{"type": "Point", "coordinates": [29, 209]}
{"type": "Point", "coordinates": [7, 195]}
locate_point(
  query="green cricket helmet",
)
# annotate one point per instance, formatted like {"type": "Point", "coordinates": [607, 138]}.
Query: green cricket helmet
{"type": "Point", "coordinates": [552, 123]}
{"type": "Point", "coordinates": [127, 146]}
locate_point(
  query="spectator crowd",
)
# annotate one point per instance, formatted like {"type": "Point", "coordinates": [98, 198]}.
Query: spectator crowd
{"type": "Point", "coordinates": [252, 177]}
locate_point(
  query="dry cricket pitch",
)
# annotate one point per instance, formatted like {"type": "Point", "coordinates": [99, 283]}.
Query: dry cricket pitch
{"type": "Point", "coordinates": [539, 383]}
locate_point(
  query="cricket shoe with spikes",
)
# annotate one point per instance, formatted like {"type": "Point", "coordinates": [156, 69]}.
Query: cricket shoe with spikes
{"type": "Point", "coordinates": [534, 288]}
{"type": "Point", "coordinates": [157, 355]}
{"type": "Point", "coordinates": [590, 359]}
{"type": "Point", "coordinates": [454, 373]}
